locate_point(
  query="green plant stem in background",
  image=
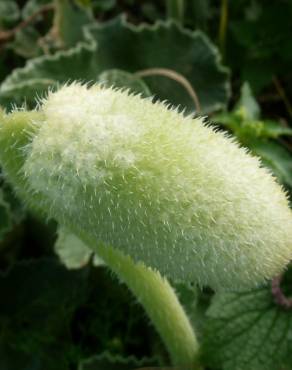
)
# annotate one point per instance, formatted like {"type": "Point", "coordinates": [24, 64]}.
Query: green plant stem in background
{"type": "Point", "coordinates": [160, 303]}
{"type": "Point", "coordinates": [223, 26]}
{"type": "Point", "coordinates": [57, 20]}
{"type": "Point", "coordinates": [175, 10]}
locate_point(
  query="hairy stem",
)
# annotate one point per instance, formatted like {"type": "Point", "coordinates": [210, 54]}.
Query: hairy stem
{"type": "Point", "coordinates": [160, 303]}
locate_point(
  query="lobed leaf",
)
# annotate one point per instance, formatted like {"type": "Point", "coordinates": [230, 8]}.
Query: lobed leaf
{"type": "Point", "coordinates": [122, 79]}
{"type": "Point", "coordinates": [276, 157]}
{"type": "Point", "coordinates": [108, 361]}
{"type": "Point", "coordinates": [163, 45]}
{"type": "Point", "coordinates": [248, 330]}
{"type": "Point", "coordinates": [40, 299]}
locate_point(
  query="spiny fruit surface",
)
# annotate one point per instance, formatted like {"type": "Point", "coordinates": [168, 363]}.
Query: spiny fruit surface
{"type": "Point", "coordinates": [166, 189]}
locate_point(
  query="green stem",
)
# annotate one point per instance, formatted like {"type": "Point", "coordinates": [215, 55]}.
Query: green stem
{"type": "Point", "coordinates": [160, 303]}
{"type": "Point", "coordinates": [223, 26]}
{"type": "Point", "coordinates": [175, 10]}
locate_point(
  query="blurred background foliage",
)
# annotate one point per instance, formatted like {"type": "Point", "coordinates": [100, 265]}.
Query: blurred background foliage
{"type": "Point", "coordinates": [231, 60]}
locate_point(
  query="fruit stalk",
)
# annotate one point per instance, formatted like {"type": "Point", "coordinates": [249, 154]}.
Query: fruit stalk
{"type": "Point", "coordinates": [160, 303]}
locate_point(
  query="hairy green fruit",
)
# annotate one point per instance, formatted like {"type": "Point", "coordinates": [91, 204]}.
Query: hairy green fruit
{"type": "Point", "coordinates": [163, 188]}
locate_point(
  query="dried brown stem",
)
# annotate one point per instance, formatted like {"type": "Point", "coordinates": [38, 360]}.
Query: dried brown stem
{"type": "Point", "coordinates": [7, 35]}
{"type": "Point", "coordinates": [176, 77]}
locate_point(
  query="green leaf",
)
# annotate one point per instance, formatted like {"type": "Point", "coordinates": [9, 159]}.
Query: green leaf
{"type": "Point", "coordinates": [12, 359]}
{"type": "Point", "coordinates": [151, 11]}
{"type": "Point", "coordinates": [103, 5]}
{"type": "Point", "coordinates": [25, 43]}
{"type": "Point", "coordinates": [273, 130]}
{"type": "Point", "coordinates": [114, 322]}
{"type": "Point", "coordinates": [40, 299]}
{"type": "Point", "coordinates": [175, 10]}
{"type": "Point", "coordinates": [36, 293]}
{"type": "Point", "coordinates": [259, 135]}
{"type": "Point", "coordinates": [130, 48]}
{"type": "Point", "coordinates": [9, 12]}
{"type": "Point", "coordinates": [165, 45]}
{"type": "Point", "coordinates": [39, 286]}
{"type": "Point", "coordinates": [32, 6]}
{"type": "Point", "coordinates": [276, 157]}
{"type": "Point", "coordinates": [195, 302]}
{"type": "Point", "coordinates": [5, 216]}
{"type": "Point", "coordinates": [188, 295]}
{"type": "Point", "coordinates": [247, 130]}
{"type": "Point", "coordinates": [247, 103]}
{"type": "Point", "coordinates": [86, 3]}
{"type": "Point", "coordinates": [272, 33]}
{"type": "Point", "coordinates": [122, 79]}
{"type": "Point", "coordinates": [258, 73]}
{"type": "Point", "coordinates": [258, 59]}
{"type": "Point", "coordinates": [247, 331]}
{"type": "Point", "coordinates": [16, 208]}
{"type": "Point", "coordinates": [24, 84]}
{"type": "Point", "coordinates": [69, 21]}
{"type": "Point", "coordinates": [107, 361]}
{"type": "Point", "coordinates": [72, 251]}
{"type": "Point", "coordinates": [197, 13]}
{"type": "Point", "coordinates": [248, 112]}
